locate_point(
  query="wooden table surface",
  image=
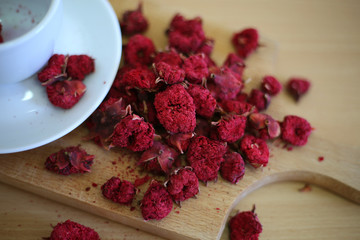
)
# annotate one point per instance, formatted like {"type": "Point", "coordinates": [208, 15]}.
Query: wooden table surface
{"type": "Point", "coordinates": [319, 40]}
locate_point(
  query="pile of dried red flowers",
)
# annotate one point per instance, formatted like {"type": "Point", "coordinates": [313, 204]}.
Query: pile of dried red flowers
{"type": "Point", "coordinates": [188, 116]}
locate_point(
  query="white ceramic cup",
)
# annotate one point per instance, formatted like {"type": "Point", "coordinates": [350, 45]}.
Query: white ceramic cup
{"type": "Point", "coordinates": [30, 29]}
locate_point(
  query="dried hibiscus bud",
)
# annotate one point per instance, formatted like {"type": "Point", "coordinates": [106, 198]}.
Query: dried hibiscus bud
{"type": "Point", "coordinates": [54, 70]}
{"type": "Point", "coordinates": [268, 127]}
{"type": "Point", "coordinates": [78, 66]}
{"type": "Point", "coordinates": [259, 99]}
{"type": "Point", "coordinates": [175, 109]}
{"type": "Point", "coordinates": [182, 184]}
{"type": "Point", "coordinates": [271, 85]}
{"type": "Point", "coordinates": [229, 128]}
{"type": "Point", "coordinates": [238, 107]}
{"type": "Point", "coordinates": [297, 87]}
{"type": "Point", "coordinates": [102, 122]}
{"type": "Point", "coordinates": [157, 202]}
{"type": "Point", "coordinates": [139, 77]}
{"type": "Point", "coordinates": [196, 69]}
{"type": "Point", "coordinates": [245, 42]}
{"type": "Point", "coordinates": [255, 150]}
{"type": "Point", "coordinates": [133, 21]}
{"type": "Point", "coordinates": [65, 94]}
{"type": "Point", "coordinates": [295, 130]}
{"type": "Point", "coordinates": [167, 73]}
{"type": "Point", "coordinates": [139, 50]}
{"type": "Point", "coordinates": [118, 191]}
{"type": "Point", "coordinates": [133, 133]}
{"type": "Point", "coordinates": [233, 167]}
{"type": "Point", "coordinates": [159, 158]}
{"type": "Point", "coordinates": [69, 160]}
{"type": "Point", "coordinates": [73, 230]}
{"type": "Point", "coordinates": [205, 103]}
{"type": "Point", "coordinates": [245, 226]}
{"type": "Point", "coordinates": [180, 141]}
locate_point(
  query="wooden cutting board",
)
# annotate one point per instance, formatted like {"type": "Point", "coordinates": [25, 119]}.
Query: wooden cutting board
{"type": "Point", "coordinates": [204, 217]}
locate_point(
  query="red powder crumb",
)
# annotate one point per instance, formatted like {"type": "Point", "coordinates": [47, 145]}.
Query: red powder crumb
{"type": "Point", "coordinates": [133, 133]}
{"type": "Point", "coordinates": [133, 21]}
{"type": "Point", "coordinates": [157, 202]}
{"type": "Point", "coordinates": [233, 167]}
{"type": "Point", "coordinates": [118, 191]}
{"type": "Point", "coordinates": [159, 158]}
{"type": "Point", "coordinates": [87, 189]}
{"type": "Point", "coordinates": [139, 50]}
{"type": "Point", "coordinates": [132, 208]}
{"type": "Point", "coordinates": [245, 42]}
{"type": "Point", "coordinates": [182, 184]}
{"type": "Point", "coordinates": [295, 130]}
{"type": "Point", "coordinates": [94, 184]}
{"type": "Point", "coordinates": [229, 128]}
{"type": "Point", "coordinates": [65, 94]}
{"type": "Point", "coordinates": [255, 151]}
{"type": "Point", "coordinates": [305, 188]}
{"type": "Point", "coordinates": [178, 119]}
{"type": "Point", "coordinates": [321, 158]}
{"type": "Point", "coordinates": [72, 231]}
{"type": "Point", "coordinates": [205, 103]}
{"type": "Point", "coordinates": [245, 226]}
{"type": "Point", "coordinates": [271, 85]}
{"type": "Point", "coordinates": [297, 87]}
{"type": "Point", "coordinates": [69, 160]}
{"type": "Point", "coordinates": [141, 181]}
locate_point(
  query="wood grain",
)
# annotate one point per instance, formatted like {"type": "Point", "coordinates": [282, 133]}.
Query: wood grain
{"type": "Point", "coordinates": [336, 142]}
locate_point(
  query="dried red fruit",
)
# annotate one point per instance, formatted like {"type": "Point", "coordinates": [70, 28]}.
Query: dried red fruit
{"type": "Point", "coordinates": [297, 87]}
{"type": "Point", "coordinates": [205, 103]}
{"type": "Point", "coordinates": [245, 226]}
{"type": "Point", "coordinates": [54, 70]}
{"type": "Point", "coordinates": [102, 122]}
{"type": "Point", "coordinates": [167, 73]}
{"type": "Point", "coordinates": [118, 191]}
{"type": "Point", "coordinates": [196, 69]}
{"type": "Point", "coordinates": [139, 50]}
{"type": "Point", "coordinates": [170, 57]}
{"type": "Point", "coordinates": [182, 184]}
{"type": "Point", "coordinates": [72, 231]}
{"type": "Point", "coordinates": [233, 167]}
{"type": "Point", "coordinates": [266, 126]}
{"type": "Point", "coordinates": [245, 42]}
{"type": "Point", "coordinates": [133, 21]}
{"type": "Point", "coordinates": [141, 181]}
{"type": "Point", "coordinates": [65, 94]}
{"type": "Point", "coordinates": [175, 109]}
{"type": "Point", "coordinates": [236, 64]}
{"type": "Point", "coordinates": [180, 141]}
{"type": "Point", "coordinates": [157, 202]}
{"type": "Point", "coordinates": [133, 133]}
{"type": "Point", "coordinates": [295, 130]}
{"type": "Point", "coordinates": [78, 66]}
{"type": "Point", "coordinates": [229, 128]}
{"type": "Point", "coordinates": [271, 85]}
{"type": "Point", "coordinates": [206, 47]}
{"type": "Point", "coordinates": [139, 77]}
{"type": "Point", "coordinates": [259, 99]}
{"type": "Point", "coordinates": [238, 107]}
{"type": "Point", "coordinates": [159, 158]}
{"type": "Point", "coordinates": [255, 150]}
{"type": "Point", "coordinates": [69, 160]}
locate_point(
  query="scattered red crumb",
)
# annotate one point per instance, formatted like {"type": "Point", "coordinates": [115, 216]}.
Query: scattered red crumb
{"type": "Point", "coordinates": [289, 148]}
{"type": "Point", "coordinates": [87, 189]}
{"type": "Point", "coordinates": [321, 158]}
{"type": "Point", "coordinates": [177, 212]}
{"type": "Point", "coordinates": [305, 188]}
{"type": "Point", "coordinates": [94, 184]}
{"type": "Point", "coordinates": [72, 231]}
{"type": "Point", "coordinates": [132, 208]}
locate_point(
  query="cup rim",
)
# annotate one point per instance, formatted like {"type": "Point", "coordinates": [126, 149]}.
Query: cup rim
{"type": "Point", "coordinates": [30, 34]}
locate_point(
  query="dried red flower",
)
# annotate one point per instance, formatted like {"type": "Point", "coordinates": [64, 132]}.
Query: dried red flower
{"type": "Point", "coordinates": [170, 57]}
{"type": "Point", "coordinates": [238, 107]}
{"type": "Point", "coordinates": [133, 21]}
{"type": "Point", "coordinates": [206, 47]}
{"type": "Point", "coordinates": [78, 66]}
{"type": "Point", "coordinates": [159, 158]}
{"type": "Point", "coordinates": [245, 42]}
{"type": "Point", "coordinates": [271, 85]}
{"type": "Point", "coordinates": [157, 202]}
{"type": "Point", "coordinates": [264, 125]}
{"type": "Point", "coordinates": [229, 128]}
{"type": "Point", "coordinates": [175, 109]}
{"type": "Point", "coordinates": [297, 87]}
{"type": "Point", "coordinates": [139, 50]}
{"type": "Point", "coordinates": [255, 150]}
{"type": "Point", "coordinates": [236, 64]}
{"type": "Point", "coordinates": [133, 133]}
{"type": "Point", "coordinates": [167, 73]}
{"type": "Point", "coordinates": [205, 103]}
{"type": "Point", "coordinates": [233, 167]}
{"type": "Point", "coordinates": [196, 69]}
{"type": "Point", "coordinates": [69, 160]}
{"type": "Point", "coordinates": [295, 130]}
{"type": "Point", "coordinates": [180, 141]}
{"type": "Point", "coordinates": [245, 226]}
{"type": "Point", "coordinates": [65, 94]}
{"type": "Point", "coordinates": [118, 191]}
{"type": "Point", "coordinates": [259, 99]}
{"type": "Point", "coordinates": [73, 231]}
{"type": "Point", "coordinates": [54, 69]}
{"type": "Point", "coordinates": [139, 77]}
{"type": "Point", "coordinates": [182, 184]}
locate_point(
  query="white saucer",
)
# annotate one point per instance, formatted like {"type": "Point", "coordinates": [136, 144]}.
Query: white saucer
{"type": "Point", "coordinates": [27, 118]}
